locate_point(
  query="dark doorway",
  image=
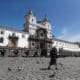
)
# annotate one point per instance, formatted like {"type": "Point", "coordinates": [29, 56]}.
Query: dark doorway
{"type": "Point", "coordinates": [12, 43]}
{"type": "Point", "coordinates": [13, 40]}
{"type": "Point", "coordinates": [43, 49]}
{"type": "Point", "coordinates": [42, 45]}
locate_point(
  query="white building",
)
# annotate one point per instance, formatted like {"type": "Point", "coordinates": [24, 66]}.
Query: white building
{"type": "Point", "coordinates": [65, 45]}
{"type": "Point", "coordinates": [36, 35]}
{"type": "Point", "coordinates": [13, 38]}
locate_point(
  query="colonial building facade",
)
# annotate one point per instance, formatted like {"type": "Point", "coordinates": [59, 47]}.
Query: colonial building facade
{"type": "Point", "coordinates": [36, 36]}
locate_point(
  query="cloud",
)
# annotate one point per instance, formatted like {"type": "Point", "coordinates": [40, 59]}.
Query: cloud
{"type": "Point", "coordinates": [69, 35]}
{"type": "Point", "coordinates": [75, 38]}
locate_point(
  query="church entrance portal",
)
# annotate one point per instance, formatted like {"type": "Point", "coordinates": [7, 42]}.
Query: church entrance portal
{"type": "Point", "coordinates": [12, 43]}
{"type": "Point", "coordinates": [13, 40]}
{"type": "Point", "coordinates": [43, 48]}
{"type": "Point", "coordinates": [42, 45]}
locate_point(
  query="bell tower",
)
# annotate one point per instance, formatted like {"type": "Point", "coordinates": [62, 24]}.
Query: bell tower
{"type": "Point", "coordinates": [30, 23]}
{"type": "Point", "coordinates": [47, 25]}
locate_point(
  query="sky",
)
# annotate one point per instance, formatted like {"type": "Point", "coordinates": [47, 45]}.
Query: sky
{"type": "Point", "coordinates": [64, 15]}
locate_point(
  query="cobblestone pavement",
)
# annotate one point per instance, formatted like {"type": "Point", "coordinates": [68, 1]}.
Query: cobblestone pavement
{"type": "Point", "coordinates": [18, 68]}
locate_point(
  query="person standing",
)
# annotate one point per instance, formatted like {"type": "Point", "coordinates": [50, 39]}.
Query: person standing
{"type": "Point", "coordinates": [53, 56]}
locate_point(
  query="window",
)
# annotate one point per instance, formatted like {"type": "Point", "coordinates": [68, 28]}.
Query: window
{"type": "Point", "coordinates": [32, 20]}
{"type": "Point", "coordinates": [1, 40]}
{"type": "Point", "coordinates": [49, 45]}
{"type": "Point", "coordinates": [13, 34]}
{"type": "Point", "coordinates": [48, 26]}
{"type": "Point", "coordinates": [23, 36]}
{"type": "Point", "coordinates": [2, 32]}
{"type": "Point", "coordinates": [32, 44]}
{"type": "Point", "coordinates": [41, 34]}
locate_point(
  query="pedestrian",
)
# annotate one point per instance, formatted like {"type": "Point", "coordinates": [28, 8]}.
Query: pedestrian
{"type": "Point", "coordinates": [53, 56]}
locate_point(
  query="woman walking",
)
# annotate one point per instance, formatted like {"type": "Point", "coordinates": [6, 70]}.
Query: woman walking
{"type": "Point", "coordinates": [53, 56]}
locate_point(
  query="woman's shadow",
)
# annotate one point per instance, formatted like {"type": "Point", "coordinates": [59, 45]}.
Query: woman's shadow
{"type": "Point", "coordinates": [45, 69]}
{"type": "Point", "coordinates": [50, 76]}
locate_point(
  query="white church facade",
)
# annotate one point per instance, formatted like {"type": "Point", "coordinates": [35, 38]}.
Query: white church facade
{"type": "Point", "coordinates": [36, 36]}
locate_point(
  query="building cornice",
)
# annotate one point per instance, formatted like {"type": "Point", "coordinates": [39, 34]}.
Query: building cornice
{"type": "Point", "coordinates": [12, 29]}
{"type": "Point", "coordinates": [56, 39]}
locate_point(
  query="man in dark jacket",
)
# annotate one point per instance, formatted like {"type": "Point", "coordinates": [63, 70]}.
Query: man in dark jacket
{"type": "Point", "coordinates": [53, 55]}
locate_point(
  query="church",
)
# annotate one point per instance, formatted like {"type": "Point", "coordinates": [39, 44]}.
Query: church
{"type": "Point", "coordinates": [35, 37]}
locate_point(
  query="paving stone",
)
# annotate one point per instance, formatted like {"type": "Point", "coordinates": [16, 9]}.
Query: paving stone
{"type": "Point", "coordinates": [36, 69]}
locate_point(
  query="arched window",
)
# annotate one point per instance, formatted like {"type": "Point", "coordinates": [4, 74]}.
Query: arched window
{"type": "Point", "coordinates": [32, 19]}
{"type": "Point", "coordinates": [1, 39]}
{"type": "Point", "coordinates": [2, 32]}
